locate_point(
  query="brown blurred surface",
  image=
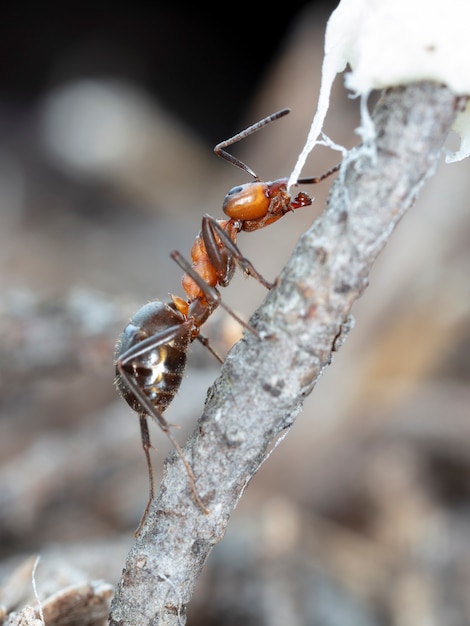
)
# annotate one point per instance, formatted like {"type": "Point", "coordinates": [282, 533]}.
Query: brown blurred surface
{"type": "Point", "coordinates": [361, 515]}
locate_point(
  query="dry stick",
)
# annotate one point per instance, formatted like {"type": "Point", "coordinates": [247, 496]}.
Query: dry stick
{"type": "Point", "coordinates": [263, 382]}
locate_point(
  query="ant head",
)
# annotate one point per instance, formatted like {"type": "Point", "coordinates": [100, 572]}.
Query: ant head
{"type": "Point", "coordinates": [258, 204]}
{"type": "Point", "coordinates": [247, 202]}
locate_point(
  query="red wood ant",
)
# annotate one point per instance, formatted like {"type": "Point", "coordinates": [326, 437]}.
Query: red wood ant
{"type": "Point", "coordinates": [151, 352]}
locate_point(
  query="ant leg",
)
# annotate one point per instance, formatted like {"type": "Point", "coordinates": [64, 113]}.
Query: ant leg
{"type": "Point", "coordinates": [146, 445]}
{"type": "Point", "coordinates": [152, 411]}
{"type": "Point", "coordinates": [206, 344]}
{"type": "Point", "coordinates": [165, 426]}
{"type": "Point", "coordinates": [219, 148]}
{"type": "Point", "coordinates": [211, 294]}
{"type": "Point", "coordinates": [209, 226]}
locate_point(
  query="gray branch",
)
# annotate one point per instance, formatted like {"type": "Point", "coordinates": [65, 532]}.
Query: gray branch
{"type": "Point", "coordinates": [264, 382]}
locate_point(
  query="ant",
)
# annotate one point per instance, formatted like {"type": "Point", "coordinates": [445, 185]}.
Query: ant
{"type": "Point", "coordinates": [151, 352]}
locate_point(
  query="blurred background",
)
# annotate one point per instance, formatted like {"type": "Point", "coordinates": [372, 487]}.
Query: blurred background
{"type": "Point", "coordinates": [108, 119]}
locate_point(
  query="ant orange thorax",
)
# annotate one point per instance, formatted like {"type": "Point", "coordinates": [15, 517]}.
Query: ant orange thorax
{"type": "Point", "coordinates": [210, 258]}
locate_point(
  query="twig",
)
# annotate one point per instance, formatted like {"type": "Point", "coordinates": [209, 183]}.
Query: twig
{"type": "Point", "coordinates": [263, 383]}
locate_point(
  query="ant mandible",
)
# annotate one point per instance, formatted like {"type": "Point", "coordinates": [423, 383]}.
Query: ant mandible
{"type": "Point", "coordinates": [151, 352]}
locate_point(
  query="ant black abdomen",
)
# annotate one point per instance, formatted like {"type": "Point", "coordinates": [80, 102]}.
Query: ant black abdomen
{"type": "Point", "coordinates": [156, 367]}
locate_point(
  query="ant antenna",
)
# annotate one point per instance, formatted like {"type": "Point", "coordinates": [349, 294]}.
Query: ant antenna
{"type": "Point", "coordinates": [317, 179]}
{"type": "Point", "coordinates": [219, 148]}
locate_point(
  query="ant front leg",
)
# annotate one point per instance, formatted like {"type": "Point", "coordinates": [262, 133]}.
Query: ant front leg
{"type": "Point", "coordinates": [211, 229]}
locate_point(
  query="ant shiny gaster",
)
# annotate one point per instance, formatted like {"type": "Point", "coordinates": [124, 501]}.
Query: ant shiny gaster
{"type": "Point", "coordinates": [151, 352]}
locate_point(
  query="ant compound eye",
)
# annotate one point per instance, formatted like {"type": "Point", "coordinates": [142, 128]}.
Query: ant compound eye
{"type": "Point", "coordinates": [235, 190]}
{"type": "Point", "coordinates": [247, 202]}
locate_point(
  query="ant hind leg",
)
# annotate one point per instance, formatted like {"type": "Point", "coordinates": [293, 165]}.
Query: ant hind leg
{"type": "Point", "coordinates": [151, 411]}
{"type": "Point", "coordinates": [146, 445]}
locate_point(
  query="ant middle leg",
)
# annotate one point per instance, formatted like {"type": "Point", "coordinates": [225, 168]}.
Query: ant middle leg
{"type": "Point", "coordinates": [211, 294]}
{"type": "Point", "coordinates": [206, 343]}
